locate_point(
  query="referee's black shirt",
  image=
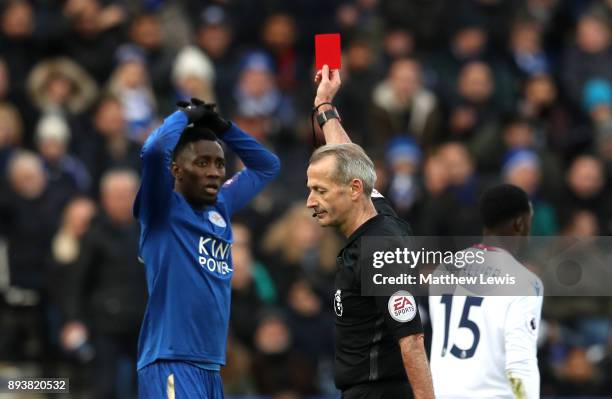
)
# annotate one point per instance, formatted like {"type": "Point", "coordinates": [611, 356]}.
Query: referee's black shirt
{"type": "Point", "coordinates": [366, 337]}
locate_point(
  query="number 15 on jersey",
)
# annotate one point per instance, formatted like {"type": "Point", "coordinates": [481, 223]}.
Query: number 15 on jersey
{"type": "Point", "coordinates": [464, 322]}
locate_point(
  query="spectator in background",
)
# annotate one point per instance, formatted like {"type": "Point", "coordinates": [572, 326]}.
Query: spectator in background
{"type": "Point", "coordinates": [528, 55]}
{"type": "Point", "coordinates": [359, 79]}
{"type": "Point", "coordinates": [66, 247]}
{"type": "Point", "coordinates": [598, 99]}
{"type": "Point", "coordinates": [11, 131]}
{"type": "Point", "coordinates": [109, 147]}
{"type": "Point", "coordinates": [589, 57]}
{"type": "Point", "coordinates": [522, 168]}
{"type": "Point", "coordinates": [214, 36]}
{"type": "Point", "coordinates": [578, 375]}
{"type": "Point", "coordinates": [586, 189]}
{"type": "Point", "coordinates": [236, 374]}
{"type": "Point", "coordinates": [107, 294]}
{"type": "Point", "coordinates": [397, 43]}
{"type": "Point", "coordinates": [256, 93]}
{"type": "Point", "coordinates": [455, 212]}
{"type": "Point", "coordinates": [9, 92]}
{"type": "Point", "coordinates": [518, 134]}
{"type": "Point", "coordinates": [93, 36]}
{"type": "Point", "coordinates": [65, 250]}
{"type": "Point", "coordinates": [130, 84]}
{"type": "Point", "coordinates": [5, 81]}
{"type": "Point", "coordinates": [61, 87]}
{"type": "Point", "coordinates": [360, 15]}
{"type": "Point", "coordinates": [435, 175]}
{"type": "Point", "coordinates": [18, 45]}
{"type": "Point", "coordinates": [306, 319]}
{"type": "Point", "coordinates": [474, 115]}
{"type": "Point", "coordinates": [276, 366]}
{"type": "Point", "coordinates": [434, 186]}
{"type": "Point", "coordinates": [252, 287]}
{"type": "Point", "coordinates": [403, 158]}
{"type": "Point", "coordinates": [193, 76]}
{"type": "Point", "coordinates": [468, 43]}
{"type": "Point", "coordinates": [598, 104]}
{"type": "Point", "coordinates": [279, 38]}
{"type": "Point", "coordinates": [146, 32]}
{"type": "Point", "coordinates": [541, 105]}
{"type": "Point", "coordinates": [52, 138]}
{"type": "Point", "coordinates": [403, 105]}
{"type": "Point", "coordinates": [291, 252]}
{"type": "Point", "coordinates": [29, 211]}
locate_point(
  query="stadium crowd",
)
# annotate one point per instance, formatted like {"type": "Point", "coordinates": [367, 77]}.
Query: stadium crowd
{"type": "Point", "coordinates": [446, 96]}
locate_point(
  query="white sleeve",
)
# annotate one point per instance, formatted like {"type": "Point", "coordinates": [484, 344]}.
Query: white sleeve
{"type": "Point", "coordinates": [521, 334]}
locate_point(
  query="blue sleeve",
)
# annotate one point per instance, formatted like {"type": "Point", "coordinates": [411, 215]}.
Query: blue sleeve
{"type": "Point", "coordinates": [153, 198]}
{"type": "Point", "coordinates": [261, 166]}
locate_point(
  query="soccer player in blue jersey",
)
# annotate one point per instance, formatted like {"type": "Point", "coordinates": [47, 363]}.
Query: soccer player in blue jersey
{"type": "Point", "coordinates": [184, 213]}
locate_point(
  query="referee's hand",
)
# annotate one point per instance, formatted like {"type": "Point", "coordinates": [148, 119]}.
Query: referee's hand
{"type": "Point", "coordinates": [329, 84]}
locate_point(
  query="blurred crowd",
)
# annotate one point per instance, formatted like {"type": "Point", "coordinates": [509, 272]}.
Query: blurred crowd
{"type": "Point", "coordinates": [446, 96]}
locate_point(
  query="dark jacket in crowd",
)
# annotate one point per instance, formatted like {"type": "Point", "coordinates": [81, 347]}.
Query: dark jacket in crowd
{"type": "Point", "coordinates": [107, 285]}
{"type": "Point", "coordinates": [28, 226]}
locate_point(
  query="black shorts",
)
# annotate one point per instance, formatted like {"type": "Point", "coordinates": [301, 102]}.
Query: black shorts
{"type": "Point", "coordinates": [379, 390]}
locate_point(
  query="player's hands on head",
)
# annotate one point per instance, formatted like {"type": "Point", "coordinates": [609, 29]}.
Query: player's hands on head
{"type": "Point", "coordinates": [193, 111]}
{"type": "Point", "coordinates": [210, 118]}
{"type": "Point", "coordinates": [328, 81]}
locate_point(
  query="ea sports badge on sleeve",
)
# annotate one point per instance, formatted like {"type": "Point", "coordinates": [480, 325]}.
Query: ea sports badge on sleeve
{"type": "Point", "coordinates": [402, 306]}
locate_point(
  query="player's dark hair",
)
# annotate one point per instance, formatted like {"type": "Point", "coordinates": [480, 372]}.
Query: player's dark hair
{"type": "Point", "coordinates": [502, 203]}
{"type": "Point", "coordinates": [191, 134]}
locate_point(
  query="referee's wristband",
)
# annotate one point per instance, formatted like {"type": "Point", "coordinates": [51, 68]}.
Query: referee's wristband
{"type": "Point", "coordinates": [325, 116]}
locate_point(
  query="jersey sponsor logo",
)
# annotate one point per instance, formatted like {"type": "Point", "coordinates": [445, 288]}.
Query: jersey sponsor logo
{"type": "Point", "coordinates": [402, 306]}
{"type": "Point", "coordinates": [338, 308]}
{"type": "Point", "coordinates": [214, 255]}
{"type": "Point", "coordinates": [216, 219]}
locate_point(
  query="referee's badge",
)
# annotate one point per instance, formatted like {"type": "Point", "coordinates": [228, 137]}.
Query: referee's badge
{"type": "Point", "coordinates": [216, 219]}
{"type": "Point", "coordinates": [402, 306]}
{"type": "Point", "coordinates": [338, 303]}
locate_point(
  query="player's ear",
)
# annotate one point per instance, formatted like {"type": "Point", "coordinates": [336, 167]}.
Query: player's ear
{"type": "Point", "coordinates": [518, 224]}
{"type": "Point", "coordinates": [176, 171]}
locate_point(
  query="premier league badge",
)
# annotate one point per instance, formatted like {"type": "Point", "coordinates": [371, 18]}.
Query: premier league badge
{"type": "Point", "coordinates": [338, 303]}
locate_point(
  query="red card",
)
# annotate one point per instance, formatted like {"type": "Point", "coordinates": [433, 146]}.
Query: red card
{"type": "Point", "coordinates": [327, 51]}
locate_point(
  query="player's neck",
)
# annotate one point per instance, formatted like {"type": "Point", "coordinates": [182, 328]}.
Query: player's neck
{"type": "Point", "coordinates": [194, 204]}
{"type": "Point", "coordinates": [498, 239]}
{"type": "Point", "coordinates": [361, 213]}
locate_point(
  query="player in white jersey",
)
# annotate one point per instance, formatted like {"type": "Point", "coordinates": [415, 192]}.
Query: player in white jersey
{"type": "Point", "coordinates": [484, 346]}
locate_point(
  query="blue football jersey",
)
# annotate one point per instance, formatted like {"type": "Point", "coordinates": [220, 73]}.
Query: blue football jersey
{"type": "Point", "coordinates": [186, 252]}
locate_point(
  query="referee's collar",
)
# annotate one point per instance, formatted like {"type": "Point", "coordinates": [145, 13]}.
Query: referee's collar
{"type": "Point", "coordinates": [361, 230]}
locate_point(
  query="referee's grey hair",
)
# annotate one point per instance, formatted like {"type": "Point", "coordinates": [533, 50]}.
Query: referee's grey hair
{"type": "Point", "coordinates": [351, 163]}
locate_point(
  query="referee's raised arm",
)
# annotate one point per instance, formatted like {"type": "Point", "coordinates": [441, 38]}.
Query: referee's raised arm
{"type": "Point", "coordinates": [328, 84]}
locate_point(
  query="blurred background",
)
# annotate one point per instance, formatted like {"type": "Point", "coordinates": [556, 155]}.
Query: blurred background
{"type": "Point", "coordinates": [446, 96]}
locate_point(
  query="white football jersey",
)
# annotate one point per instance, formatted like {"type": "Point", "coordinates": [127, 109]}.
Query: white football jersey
{"type": "Point", "coordinates": [478, 341]}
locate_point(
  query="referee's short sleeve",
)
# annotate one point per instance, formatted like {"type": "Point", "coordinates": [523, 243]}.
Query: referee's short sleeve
{"type": "Point", "coordinates": [399, 329]}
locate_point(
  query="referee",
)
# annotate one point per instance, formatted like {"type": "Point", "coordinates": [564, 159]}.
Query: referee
{"type": "Point", "coordinates": [377, 352]}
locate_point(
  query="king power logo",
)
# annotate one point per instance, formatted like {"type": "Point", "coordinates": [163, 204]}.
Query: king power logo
{"type": "Point", "coordinates": [214, 255]}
